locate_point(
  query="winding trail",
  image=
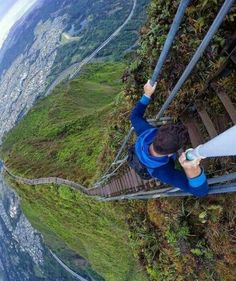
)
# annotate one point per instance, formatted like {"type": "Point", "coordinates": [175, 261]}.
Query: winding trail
{"type": "Point", "coordinates": [73, 70]}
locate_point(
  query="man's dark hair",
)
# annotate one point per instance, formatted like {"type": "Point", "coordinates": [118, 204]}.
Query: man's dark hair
{"type": "Point", "coordinates": [170, 138]}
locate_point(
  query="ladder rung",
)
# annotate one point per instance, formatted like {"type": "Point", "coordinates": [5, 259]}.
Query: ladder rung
{"type": "Point", "coordinates": [233, 56]}
{"type": "Point", "coordinates": [228, 105]}
{"type": "Point", "coordinates": [207, 122]}
{"type": "Point", "coordinates": [194, 133]}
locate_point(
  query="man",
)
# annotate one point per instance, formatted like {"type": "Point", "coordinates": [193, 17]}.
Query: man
{"type": "Point", "coordinates": [156, 150]}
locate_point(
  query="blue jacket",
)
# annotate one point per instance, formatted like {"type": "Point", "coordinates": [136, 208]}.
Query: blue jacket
{"type": "Point", "coordinates": [162, 168]}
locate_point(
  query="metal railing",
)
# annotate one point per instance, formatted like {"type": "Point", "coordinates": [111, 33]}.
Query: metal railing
{"type": "Point", "coordinates": [171, 35]}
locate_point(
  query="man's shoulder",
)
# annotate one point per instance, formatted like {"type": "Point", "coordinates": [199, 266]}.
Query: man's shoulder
{"type": "Point", "coordinates": [148, 132]}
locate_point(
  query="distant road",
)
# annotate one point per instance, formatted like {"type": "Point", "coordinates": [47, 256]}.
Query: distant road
{"type": "Point", "coordinates": [73, 70]}
{"type": "Point", "coordinates": [67, 268]}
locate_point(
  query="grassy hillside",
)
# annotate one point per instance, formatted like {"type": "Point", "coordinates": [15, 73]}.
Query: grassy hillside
{"type": "Point", "coordinates": [64, 134]}
{"type": "Point", "coordinates": [96, 231]}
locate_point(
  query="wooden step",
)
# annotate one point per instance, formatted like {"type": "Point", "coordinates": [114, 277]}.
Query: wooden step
{"type": "Point", "coordinates": [233, 58]}
{"type": "Point", "coordinates": [194, 132]}
{"type": "Point", "coordinates": [132, 179]}
{"type": "Point", "coordinates": [222, 123]}
{"type": "Point", "coordinates": [230, 108]}
{"type": "Point", "coordinates": [117, 189]}
{"type": "Point", "coordinates": [233, 55]}
{"type": "Point", "coordinates": [121, 185]}
{"type": "Point", "coordinates": [207, 121]}
{"type": "Point", "coordinates": [127, 181]}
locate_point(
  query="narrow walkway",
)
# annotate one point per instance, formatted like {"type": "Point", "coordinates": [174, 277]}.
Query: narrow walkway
{"type": "Point", "coordinates": [128, 182]}
{"type": "Point", "coordinates": [48, 180]}
{"type": "Point", "coordinates": [128, 185]}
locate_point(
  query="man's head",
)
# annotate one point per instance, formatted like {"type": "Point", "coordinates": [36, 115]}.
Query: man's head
{"type": "Point", "coordinates": [170, 139]}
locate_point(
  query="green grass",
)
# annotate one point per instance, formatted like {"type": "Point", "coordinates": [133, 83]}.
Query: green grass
{"type": "Point", "coordinates": [64, 134]}
{"type": "Point", "coordinates": [96, 231]}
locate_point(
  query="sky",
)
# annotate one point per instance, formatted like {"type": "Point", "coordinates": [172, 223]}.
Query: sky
{"type": "Point", "coordinates": [10, 12]}
{"type": "Point", "coordinates": [5, 6]}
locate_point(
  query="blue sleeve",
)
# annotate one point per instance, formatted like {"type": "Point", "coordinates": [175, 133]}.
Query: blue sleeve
{"type": "Point", "coordinates": [168, 174]}
{"type": "Point", "coordinates": [139, 123]}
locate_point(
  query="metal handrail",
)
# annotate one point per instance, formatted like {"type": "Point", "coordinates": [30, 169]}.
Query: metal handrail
{"type": "Point", "coordinates": [212, 30]}
{"type": "Point", "coordinates": [205, 42]}
{"type": "Point", "coordinates": [168, 193]}
{"type": "Point", "coordinates": [156, 73]}
{"type": "Point", "coordinates": [169, 40]}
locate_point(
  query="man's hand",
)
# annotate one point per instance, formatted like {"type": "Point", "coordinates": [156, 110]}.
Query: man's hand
{"type": "Point", "coordinates": [191, 168]}
{"type": "Point", "coordinates": [148, 89]}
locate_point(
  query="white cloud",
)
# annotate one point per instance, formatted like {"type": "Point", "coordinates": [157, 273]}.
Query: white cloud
{"type": "Point", "coordinates": [13, 15]}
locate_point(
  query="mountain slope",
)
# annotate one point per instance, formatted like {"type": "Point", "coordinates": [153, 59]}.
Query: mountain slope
{"type": "Point", "coordinates": [68, 127]}
{"type": "Point", "coordinates": [35, 52]}
{"type": "Point", "coordinates": [64, 135]}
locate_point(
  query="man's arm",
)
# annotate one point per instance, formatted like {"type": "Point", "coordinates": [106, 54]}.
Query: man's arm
{"type": "Point", "coordinates": [168, 174]}
{"type": "Point", "coordinates": [139, 123]}
{"type": "Point", "coordinates": [137, 119]}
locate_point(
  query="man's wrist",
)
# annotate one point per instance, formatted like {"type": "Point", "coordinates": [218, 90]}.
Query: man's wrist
{"type": "Point", "coordinates": [145, 99]}
{"type": "Point", "coordinates": [193, 172]}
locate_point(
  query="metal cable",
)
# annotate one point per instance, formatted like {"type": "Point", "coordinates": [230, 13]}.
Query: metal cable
{"type": "Point", "coordinates": [169, 40]}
